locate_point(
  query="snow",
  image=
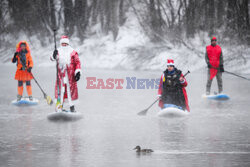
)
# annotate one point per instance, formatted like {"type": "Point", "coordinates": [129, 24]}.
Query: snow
{"type": "Point", "coordinates": [131, 50]}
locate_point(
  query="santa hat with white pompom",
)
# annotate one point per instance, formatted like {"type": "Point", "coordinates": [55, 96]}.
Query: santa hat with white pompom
{"type": "Point", "coordinates": [64, 39]}
{"type": "Point", "coordinates": [170, 62]}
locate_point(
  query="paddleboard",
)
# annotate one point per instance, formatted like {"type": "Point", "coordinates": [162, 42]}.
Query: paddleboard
{"type": "Point", "coordinates": [64, 116]}
{"type": "Point", "coordinates": [171, 110]}
{"type": "Point", "coordinates": [25, 101]}
{"type": "Point", "coordinates": [219, 97]}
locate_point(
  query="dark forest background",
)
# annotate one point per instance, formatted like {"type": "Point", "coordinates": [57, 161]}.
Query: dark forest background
{"type": "Point", "coordinates": [160, 19]}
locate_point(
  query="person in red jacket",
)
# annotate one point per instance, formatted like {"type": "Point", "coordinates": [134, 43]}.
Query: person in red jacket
{"type": "Point", "coordinates": [214, 60]}
{"type": "Point", "coordinates": [172, 87]}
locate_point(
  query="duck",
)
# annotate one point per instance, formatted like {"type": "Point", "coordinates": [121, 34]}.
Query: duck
{"type": "Point", "coordinates": [139, 150]}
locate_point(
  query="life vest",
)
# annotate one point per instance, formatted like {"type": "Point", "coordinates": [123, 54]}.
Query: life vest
{"type": "Point", "coordinates": [214, 53]}
{"type": "Point", "coordinates": [172, 89]}
{"type": "Point", "coordinates": [24, 59]}
{"type": "Point", "coordinates": [171, 81]}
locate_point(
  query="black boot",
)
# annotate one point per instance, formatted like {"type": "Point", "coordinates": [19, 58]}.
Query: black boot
{"type": "Point", "coordinates": [31, 98]}
{"type": "Point", "coordinates": [72, 109]}
{"type": "Point", "coordinates": [19, 97]}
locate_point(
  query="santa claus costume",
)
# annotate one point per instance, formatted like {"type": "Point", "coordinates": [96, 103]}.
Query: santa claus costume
{"type": "Point", "coordinates": [68, 73]}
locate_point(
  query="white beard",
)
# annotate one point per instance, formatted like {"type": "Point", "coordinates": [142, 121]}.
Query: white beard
{"type": "Point", "coordinates": [64, 53]}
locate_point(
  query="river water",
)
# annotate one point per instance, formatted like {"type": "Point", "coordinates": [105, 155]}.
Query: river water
{"type": "Point", "coordinates": [213, 134]}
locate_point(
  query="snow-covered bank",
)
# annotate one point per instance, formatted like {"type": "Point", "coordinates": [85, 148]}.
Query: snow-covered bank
{"type": "Point", "coordinates": [133, 50]}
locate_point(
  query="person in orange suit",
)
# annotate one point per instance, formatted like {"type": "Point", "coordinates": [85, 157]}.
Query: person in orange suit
{"type": "Point", "coordinates": [24, 63]}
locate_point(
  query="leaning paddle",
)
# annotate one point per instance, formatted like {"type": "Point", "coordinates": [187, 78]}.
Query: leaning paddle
{"type": "Point", "coordinates": [58, 102]}
{"type": "Point", "coordinates": [237, 75]}
{"type": "Point", "coordinates": [186, 73]}
{"type": "Point", "coordinates": [233, 74]}
{"type": "Point", "coordinates": [48, 98]}
{"type": "Point", "coordinates": [144, 112]}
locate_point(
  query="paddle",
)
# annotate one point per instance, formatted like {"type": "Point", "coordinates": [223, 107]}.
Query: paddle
{"type": "Point", "coordinates": [233, 74]}
{"type": "Point", "coordinates": [48, 98]}
{"type": "Point", "coordinates": [237, 75]}
{"type": "Point", "coordinates": [144, 112]}
{"type": "Point", "coordinates": [58, 102]}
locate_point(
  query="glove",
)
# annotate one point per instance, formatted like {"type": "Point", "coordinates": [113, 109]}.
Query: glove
{"type": "Point", "coordinates": [77, 76]}
{"type": "Point", "coordinates": [16, 54]}
{"type": "Point", "coordinates": [15, 58]}
{"type": "Point", "coordinates": [29, 69]}
{"type": "Point", "coordinates": [55, 54]}
{"type": "Point", "coordinates": [209, 66]}
{"type": "Point", "coordinates": [221, 68]}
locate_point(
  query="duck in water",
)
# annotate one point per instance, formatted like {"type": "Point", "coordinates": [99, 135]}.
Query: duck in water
{"type": "Point", "coordinates": [139, 150]}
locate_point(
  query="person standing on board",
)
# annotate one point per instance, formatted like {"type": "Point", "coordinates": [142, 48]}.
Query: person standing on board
{"type": "Point", "coordinates": [214, 60]}
{"type": "Point", "coordinates": [172, 87]}
{"type": "Point", "coordinates": [24, 64]}
{"type": "Point", "coordinates": [69, 72]}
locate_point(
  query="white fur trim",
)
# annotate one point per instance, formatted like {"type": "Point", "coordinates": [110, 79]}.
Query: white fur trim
{"type": "Point", "coordinates": [78, 70]}
{"type": "Point", "coordinates": [170, 64]}
{"type": "Point", "coordinates": [64, 40]}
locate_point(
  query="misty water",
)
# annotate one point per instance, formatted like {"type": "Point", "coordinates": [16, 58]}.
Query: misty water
{"type": "Point", "coordinates": [213, 134]}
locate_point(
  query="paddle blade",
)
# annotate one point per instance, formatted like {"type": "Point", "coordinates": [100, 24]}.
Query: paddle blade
{"type": "Point", "coordinates": [143, 112]}
{"type": "Point", "coordinates": [49, 100]}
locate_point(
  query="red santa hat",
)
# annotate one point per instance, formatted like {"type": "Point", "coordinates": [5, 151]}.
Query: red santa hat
{"type": "Point", "coordinates": [64, 39]}
{"type": "Point", "coordinates": [170, 62]}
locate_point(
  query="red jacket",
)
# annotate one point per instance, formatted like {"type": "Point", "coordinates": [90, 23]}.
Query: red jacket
{"type": "Point", "coordinates": [184, 84]}
{"type": "Point", "coordinates": [214, 55]}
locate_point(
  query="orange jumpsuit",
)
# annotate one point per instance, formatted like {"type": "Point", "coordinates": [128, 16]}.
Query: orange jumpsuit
{"type": "Point", "coordinates": [22, 75]}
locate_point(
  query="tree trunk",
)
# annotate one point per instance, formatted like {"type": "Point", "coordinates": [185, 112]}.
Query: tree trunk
{"type": "Point", "coordinates": [122, 18]}
{"type": "Point", "coordinates": [68, 17]}
{"type": "Point", "coordinates": [220, 13]}
{"type": "Point", "coordinates": [81, 7]}
{"type": "Point", "coordinates": [190, 30]}
{"type": "Point", "coordinates": [211, 17]}
{"type": "Point", "coordinates": [114, 18]}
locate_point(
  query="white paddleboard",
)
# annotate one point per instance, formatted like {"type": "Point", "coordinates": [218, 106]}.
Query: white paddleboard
{"type": "Point", "coordinates": [25, 101]}
{"type": "Point", "coordinates": [219, 97]}
{"type": "Point", "coordinates": [64, 116]}
{"type": "Point", "coordinates": [172, 111]}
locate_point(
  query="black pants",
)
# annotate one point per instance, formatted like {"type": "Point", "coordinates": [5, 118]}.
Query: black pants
{"type": "Point", "coordinates": [219, 81]}
{"type": "Point", "coordinates": [20, 83]}
{"type": "Point", "coordinates": [176, 98]}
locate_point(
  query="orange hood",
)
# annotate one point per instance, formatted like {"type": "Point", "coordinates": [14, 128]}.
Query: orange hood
{"type": "Point", "coordinates": [18, 46]}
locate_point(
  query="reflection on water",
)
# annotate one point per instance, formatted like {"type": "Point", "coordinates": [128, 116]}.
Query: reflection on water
{"type": "Point", "coordinates": [214, 134]}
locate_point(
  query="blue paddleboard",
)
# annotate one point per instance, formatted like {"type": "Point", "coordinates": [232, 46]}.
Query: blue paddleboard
{"type": "Point", "coordinates": [171, 110]}
{"type": "Point", "coordinates": [25, 101]}
{"type": "Point", "coordinates": [219, 97]}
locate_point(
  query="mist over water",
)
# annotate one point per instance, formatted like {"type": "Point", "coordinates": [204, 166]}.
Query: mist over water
{"type": "Point", "coordinates": [213, 134]}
